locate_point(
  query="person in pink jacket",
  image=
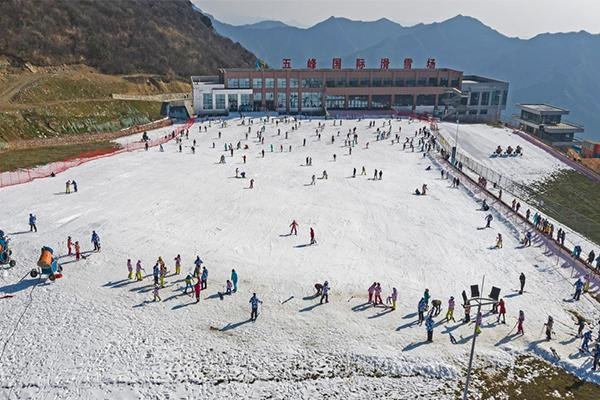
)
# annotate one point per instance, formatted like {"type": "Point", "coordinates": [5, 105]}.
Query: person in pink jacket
{"type": "Point", "coordinates": [197, 289]}
{"type": "Point", "coordinates": [377, 297]}
{"type": "Point", "coordinates": [371, 291]}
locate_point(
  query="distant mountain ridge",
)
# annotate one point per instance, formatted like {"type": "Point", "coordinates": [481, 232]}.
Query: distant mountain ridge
{"type": "Point", "coordinates": [557, 68]}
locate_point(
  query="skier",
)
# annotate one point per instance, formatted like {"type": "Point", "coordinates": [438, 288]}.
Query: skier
{"type": "Point", "coordinates": [197, 290]}
{"type": "Point", "coordinates": [325, 292]}
{"type": "Point", "coordinates": [96, 241]}
{"type": "Point", "coordinates": [77, 251]}
{"type": "Point", "coordinates": [354, 172]}
{"type": "Point", "coordinates": [578, 288]}
{"type": "Point", "coordinates": [32, 221]}
{"type": "Point", "coordinates": [74, 184]}
{"type": "Point", "coordinates": [68, 187]}
{"type": "Point", "coordinates": [421, 307]}
{"type": "Point", "coordinates": [426, 296]}
{"type": "Point", "coordinates": [138, 270]}
{"type": "Point", "coordinates": [204, 277]}
{"type": "Point", "coordinates": [371, 291]}
{"type": "Point", "coordinates": [178, 264]}
{"type": "Point", "coordinates": [197, 262]}
{"type": "Point", "coordinates": [163, 272]}
{"type": "Point", "coordinates": [501, 311]}
{"type": "Point", "coordinates": [450, 312]}
{"type": "Point", "coordinates": [69, 245]}
{"type": "Point", "coordinates": [520, 320]}
{"type": "Point", "coordinates": [129, 269]}
{"type": "Point", "coordinates": [488, 220]}
{"type": "Point", "coordinates": [548, 326]}
{"type": "Point", "coordinates": [254, 301]}
{"type": "Point", "coordinates": [155, 293]}
{"type": "Point", "coordinates": [429, 327]}
{"type": "Point", "coordinates": [580, 325]}
{"type": "Point", "coordinates": [312, 236]}
{"type": "Point", "coordinates": [587, 337]}
{"type": "Point", "coordinates": [156, 273]}
{"type": "Point", "coordinates": [294, 226]}
{"type": "Point", "coordinates": [313, 180]}
{"type": "Point", "coordinates": [234, 280]}
{"type": "Point", "coordinates": [393, 298]}
{"type": "Point", "coordinates": [522, 280]}
{"type": "Point", "coordinates": [499, 241]}
{"type": "Point", "coordinates": [251, 184]}
{"type": "Point", "coordinates": [188, 283]}
{"type": "Point", "coordinates": [377, 296]}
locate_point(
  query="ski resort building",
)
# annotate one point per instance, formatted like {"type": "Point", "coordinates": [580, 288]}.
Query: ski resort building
{"type": "Point", "coordinates": [442, 92]}
{"type": "Point", "coordinates": [545, 122]}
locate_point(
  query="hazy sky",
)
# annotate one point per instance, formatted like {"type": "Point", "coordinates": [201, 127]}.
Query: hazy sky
{"type": "Point", "coordinates": [522, 18]}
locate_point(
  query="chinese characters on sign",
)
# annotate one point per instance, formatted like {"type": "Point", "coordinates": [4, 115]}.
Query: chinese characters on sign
{"type": "Point", "coordinates": [408, 63]}
{"type": "Point", "coordinates": [287, 63]}
{"type": "Point", "coordinates": [336, 63]}
{"type": "Point", "coordinates": [431, 63]}
{"type": "Point", "coordinates": [311, 63]}
{"type": "Point", "coordinates": [384, 64]}
{"type": "Point", "coordinates": [360, 63]}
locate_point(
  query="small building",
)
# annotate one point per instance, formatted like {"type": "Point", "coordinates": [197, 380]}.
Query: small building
{"type": "Point", "coordinates": [590, 149]}
{"type": "Point", "coordinates": [545, 122]}
{"type": "Point", "coordinates": [482, 100]}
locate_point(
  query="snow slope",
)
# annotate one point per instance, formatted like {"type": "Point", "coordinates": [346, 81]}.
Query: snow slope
{"type": "Point", "coordinates": [479, 141]}
{"type": "Point", "coordinates": [95, 334]}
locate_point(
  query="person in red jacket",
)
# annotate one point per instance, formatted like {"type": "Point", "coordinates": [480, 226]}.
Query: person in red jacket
{"type": "Point", "coordinates": [77, 251]}
{"type": "Point", "coordinates": [69, 245]}
{"type": "Point", "coordinates": [294, 226]}
{"type": "Point", "coordinates": [502, 311]}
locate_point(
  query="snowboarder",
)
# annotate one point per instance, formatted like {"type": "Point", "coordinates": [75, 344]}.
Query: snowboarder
{"type": "Point", "coordinates": [520, 320]}
{"type": "Point", "coordinates": [522, 280]}
{"type": "Point", "coordinates": [325, 292]}
{"type": "Point", "coordinates": [204, 277]}
{"type": "Point", "coordinates": [155, 293]}
{"type": "Point", "coordinates": [129, 269]}
{"type": "Point", "coordinates": [234, 280]}
{"type": "Point", "coordinates": [429, 327]}
{"type": "Point", "coordinates": [32, 221]}
{"type": "Point", "coordinates": [488, 220]}
{"type": "Point", "coordinates": [188, 283]}
{"type": "Point", "coordinates": [96, 241]}
{"type": "Point", "coordinates": [312, 236]}
{"type": "Point", "coordinates": [178, 264]}
{"type": "Point", "coordinates": [138, 270]}
{"type": "Point", "coordinates": [450, 312]}
{"type": "Point", "coordinates": [548, 326]}
{"type": "Point", "coordinates": [294, 226]}
{"type": "Point", "coordinates": [501, 311]}
{"type": "Point", "coordinates": [254, 301]}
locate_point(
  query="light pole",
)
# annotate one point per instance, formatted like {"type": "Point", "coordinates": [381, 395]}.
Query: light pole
{"type": "Point", "coordinates": [481, 301]}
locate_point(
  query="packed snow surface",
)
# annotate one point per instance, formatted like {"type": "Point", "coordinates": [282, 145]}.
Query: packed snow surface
{"type": "Point", "coordinates": [96, 334]}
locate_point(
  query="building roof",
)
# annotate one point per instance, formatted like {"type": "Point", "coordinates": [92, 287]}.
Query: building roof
{"type": "Point", "coordinates": [337, 70]}
{"type": "Point", "coordinates": [542, 109]}
{"type": "Point", "coordinates": [471, 79]}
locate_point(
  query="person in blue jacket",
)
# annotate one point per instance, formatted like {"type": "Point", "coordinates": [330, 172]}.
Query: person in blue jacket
{"type": "Point", "coordinates": [234, 280]}
{"type": "Point", "coordinates": [421, 309]}
{"type": "Point", "coordinates": [204, 277]}
{"type": "Point", "coordinates": [155, 273]}
{"type": "Point", "coordinates": [254, 301]}
{"type": "Point", "coordinates": [96, 241]}
{"type": "Point", "coordinates": [32, 221]}
{"type": "Point", "coordinates": [429, 327]}
{"type": "Point", "coordinates": [578, 288]}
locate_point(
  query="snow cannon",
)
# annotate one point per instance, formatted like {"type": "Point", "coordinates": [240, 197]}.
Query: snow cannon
{"type": "Point", "coordinates": [5, 252]}
{"type": "Point", "coordinates": [48, 266]}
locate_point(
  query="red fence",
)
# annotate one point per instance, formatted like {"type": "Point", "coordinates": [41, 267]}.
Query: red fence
{"type": "Point", "coordinates": [27, 175]}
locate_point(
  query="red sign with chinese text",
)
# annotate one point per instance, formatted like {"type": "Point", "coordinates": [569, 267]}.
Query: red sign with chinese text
{"type": "Point", "coordinates": [431, 63]}
{"type": "Point", "coordinates": [287, 63]}
{"type": "Point", "coordinates": [408, 63]}
{"type": "Point", "coordinates": [311, 63]}
{"type": "Point", "coordinates": [385, 63]}
{"type": "Point", "coordinates": [360, 63]}
{"type": "Point", "coordinates": [336, 63]}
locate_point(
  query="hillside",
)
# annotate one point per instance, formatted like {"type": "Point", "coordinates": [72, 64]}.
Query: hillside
{"type": "Point", "coordinates": [117, 37]}
{"type": "Point", "coordinates": [551, 68]}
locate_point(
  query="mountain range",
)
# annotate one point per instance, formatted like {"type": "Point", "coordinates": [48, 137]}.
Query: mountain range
{"type": "Point", "coordinates": [560, 69]}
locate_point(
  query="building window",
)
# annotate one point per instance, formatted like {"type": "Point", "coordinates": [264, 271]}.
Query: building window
{"type": "Point", "coordinates": [444, 82]}
{"type": "Point", "coordinates": [504, 97]}
{"type": "Point", "coordinates": [403, 100]}
{"type": "Point", "coordinates": [293, 83]}
{"type": "Point", "coordinates": [269, 96]}
{"type": "Point", "coordinates": [381, 101]}
{"type": "Point", "coordinates": [269, 83]}
{"type": "Point", "coordinates": [485, 98]}
{"type": "Point", "coordinates": [472, 112]}
{"type": "Point", "coordinates": [495, 97]}
{"type": "Point", "coordinates": [421, 82]}
{"type": "Point", "coordinates": [232, 100]}
{"type": "Point", "coordinates": [294, 101]}
{"type": "Point", "coordinates": [244, 83]}
{"type": "Point", "coordinates": [474, 100]}
{"type": "Point", "coordinates": [257, 101]}
{"type": "Point", "coordinates": [376, 82]}
{"type": "Point", "coordinates": [330, 82]}
{"type": "Point", "coordinates": [281, 101]}
{"type": "Point", "coordinates": [353, 82]}
{"type": "Point", "coordinates": [281, 83]}
{"type": "Point", "coordinates": [258, 96]}
{"type": "Point", "coordinates": [433, 82]}
{"type": "Point", "coordinates": [312, 83]}
{"type": "Point", "coordinates": [358, 102]}
{"type": "Point", "coordinates": [341, 82]}
{"type": "Point", "coordinates": [483, 111]}
{"type": "Point", "coordinates": [364, 82]}
{"type": "Point", "coordinates": [388, 82]}
{"type": "Point", "coordinates": [410, 82]}
{"type": "Point", "coordinates": [257, 83]}
{"type": "Point", "coordinates": [335, 102]}
{"type": "Point", "coordinates": [220, 101]}
{"type": "Point", "coordinates": [454, 83]}
{"type": "Point", "coordinates": [464, 100]}
{"type": "Point", "coordinates": [245, 102]}
{"type": "Point", "coordinates": [207, 103]}
{"type": "Point", "coordinates": [311, 100]}
{"type": "Point", "coordinates": [426, 100]}
{"type": "Point", "coordinates": [232, 83]}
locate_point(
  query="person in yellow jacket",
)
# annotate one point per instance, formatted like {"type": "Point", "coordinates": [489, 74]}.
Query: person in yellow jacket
{"type": "Point", "coordinates": [177, 264]}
